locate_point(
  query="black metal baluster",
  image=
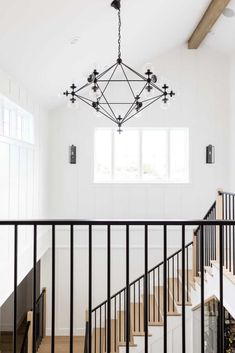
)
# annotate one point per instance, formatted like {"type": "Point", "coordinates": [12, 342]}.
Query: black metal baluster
{"type": "Point", "coordinates": [105, 327]}
{"type": "Point", "coordinates": [183, 292]}
{"type": "Point", "coordinates": [158, 294]}
{"type": "Point", "coordinates": [202, 291]}
{"type": "Point", "coordinates": [134, 307]}
{"type": "Point", "coordinates": [230, 236]}
{"type": "Point", "coordinates": [233, 237]}
{"type": "Point", "coordinates": [146, 288]}
{"type": "Point", "coordinates": [127, 291]}
{"type": "Point", "coordinates": [168, 285]}
{"type": "Point", "coordinates": [71, 285]}
{"type": "Point", "coordinates": [108, 289]}
{"type": "Point", "coordinates": [221, 285]}
{"type": "Point", "coordinates": [226, 244]}
{"type": "Point", "coordinates": [165, 286]}
{"type": "Point", "coordinates": [173, 282]}
{"type": "Point", "coordinates": [154, 301]}
{"type": "Point", "coordinates": [124, 301]}
{"type": "Point", "coordinates": [187, 284]}
{"type": "Point", "coordinates": [34, 286]}
{"type": "Point", "coordinates": [148, 306]}
{"type": "Point", "coordinates": [53, 291]}
{"type": "Point", "coordinates": [15, 287]}
{"type": "Point", "coordinates": [119, 317]}
{"type": "Point", "coordinates": [90, 289]}
{"type": "Point", "coordinates": [100, 330]}
{"type": "Point", "coordinates": [95, 331]}
{"type": "Point", "coordinates": [139, 304]}
{"type": "Point", "coordinates": [178, 282]}
{"type": "Point", "coordinates": [115, 323]}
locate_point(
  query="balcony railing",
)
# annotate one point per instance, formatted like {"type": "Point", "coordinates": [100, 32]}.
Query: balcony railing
{"type": "Point", "coordinates": [171, 267]}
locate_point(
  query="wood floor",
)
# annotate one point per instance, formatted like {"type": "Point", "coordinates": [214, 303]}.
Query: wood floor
{"type": "Point", "coordinates": [62, 345]}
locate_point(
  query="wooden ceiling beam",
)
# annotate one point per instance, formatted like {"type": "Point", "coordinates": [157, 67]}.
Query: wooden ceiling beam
{"type": "Point", "coordinates": [213, 12]}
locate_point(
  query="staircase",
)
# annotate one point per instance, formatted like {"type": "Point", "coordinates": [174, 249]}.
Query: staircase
{"type": "Point", "coordinates": [154, 312]}
{"type": "Point", "coordinates": [175, 291]}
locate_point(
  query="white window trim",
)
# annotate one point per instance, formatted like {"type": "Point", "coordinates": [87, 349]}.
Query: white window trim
{"type": "Point", "coordinates": [159, 181]}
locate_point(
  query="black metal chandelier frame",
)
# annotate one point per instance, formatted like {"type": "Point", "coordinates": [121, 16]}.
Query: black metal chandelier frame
{"type": "Point", "coordinates": [102, 105]}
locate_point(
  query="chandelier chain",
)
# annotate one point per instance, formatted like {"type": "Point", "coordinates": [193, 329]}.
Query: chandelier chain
{"type": "Point", "coordinates": [119, 33]}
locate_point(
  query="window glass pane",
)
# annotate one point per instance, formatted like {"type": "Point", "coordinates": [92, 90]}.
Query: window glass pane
{"type": "Point", "coordinates": [127, 155]}
{"type": "Point", "coordinates": [31, 130]}
{"type": "Point", "coordinates": [13, 124]}
{"type": "Point", "coordinates": [25, 128]}
{"type": "Point", "coordinates": [179, 154]}
{"type": "Point", "coordinates": [155, 154]}
{"type": "Point", "coordinates": [19, 127]}
{"type": "Point", "coordinates": [6, 122]}
{"type": "Point", "coordinates": [103, 152]}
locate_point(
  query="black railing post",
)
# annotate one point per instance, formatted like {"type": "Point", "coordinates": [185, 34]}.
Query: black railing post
{"type": "Point", "coordinates": [146, 288]}
{"type": "Point", "coordinates": [53, 291]}
{"type": "Point", "coordinates": [71, 285]}
{"type": "Point", "coordinates": [109, 289]}
{"type": "Point", "coordinates": [15, 287]}
{"type": "Point", "coordinates": [202, 290]}
{"type": "Point", "coordinates": [34, 286]}
{"type": "Point", "coordinates": [165, 286]}
{"type": "Point", "coordinates": [183, 292]}
{"type": "Point", "coordinates": [221, 291]}
{"type": "Point", "coordinates": [90, 290]}
{"type": "Point", "coordinates": [127, 290]}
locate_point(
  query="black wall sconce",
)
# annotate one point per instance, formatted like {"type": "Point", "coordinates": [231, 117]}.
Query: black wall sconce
{"type": "Point", "coordinates": [210, 154]}
{"type": "Point", "coordinates": [72, 154]}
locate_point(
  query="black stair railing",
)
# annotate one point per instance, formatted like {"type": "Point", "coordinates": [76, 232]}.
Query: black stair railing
{"type": "Point", "coordinates": [168, 266]}
{"type": "Point", "coordinates": [209, 239]}
{"type": "Point", "coordinates": [222, 209]}
{"type": "Point", "coordinates": [228, 213]}
{"type": "Point", "coordinates": [150, 288]}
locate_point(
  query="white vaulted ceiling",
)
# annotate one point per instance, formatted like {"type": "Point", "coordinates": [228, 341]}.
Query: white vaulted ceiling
{"type": "Point", "coordinates": [35, 37]}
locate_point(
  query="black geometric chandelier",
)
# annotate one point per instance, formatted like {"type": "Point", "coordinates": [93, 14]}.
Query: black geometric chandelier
{"type": "Point", "coordinates": [120, 93]}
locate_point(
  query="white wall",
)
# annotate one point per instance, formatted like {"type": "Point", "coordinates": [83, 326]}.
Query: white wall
{"type": "Point", "coordinates": [201, 77]}
{"type": "Point", "coordinates": [232, 124]}
{"type": "Point", "coordinates": [12, 207]}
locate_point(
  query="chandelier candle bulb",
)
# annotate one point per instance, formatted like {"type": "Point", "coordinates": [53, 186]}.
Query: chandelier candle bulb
{"type": "Point", "coordinates": [139, 90]}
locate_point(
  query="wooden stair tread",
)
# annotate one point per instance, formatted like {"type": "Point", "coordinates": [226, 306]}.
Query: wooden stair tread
{"type": "Point", "coordinates": [62, 344]}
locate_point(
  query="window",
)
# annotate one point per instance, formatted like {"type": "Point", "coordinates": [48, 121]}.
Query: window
{"type": "Point", "coordinates": [149, 155]}
{"type": "Point", "coordinates": [15, 122]}
{"type": "Point", "coordinates": [17, 161]}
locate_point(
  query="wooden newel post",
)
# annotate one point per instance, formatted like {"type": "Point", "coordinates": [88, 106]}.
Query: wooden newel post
{"type": "Point", "coordinates": [219, 216]}
{"type": "Point", "coordinates": [30, 332]}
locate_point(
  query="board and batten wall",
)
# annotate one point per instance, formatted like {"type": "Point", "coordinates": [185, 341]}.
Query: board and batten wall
{"type": "Point", "coordinates": [23, 189]}
{"type": "Point", "coordinates": [231, 153]}
{"type": "Point", "coordinates": [201, 78]}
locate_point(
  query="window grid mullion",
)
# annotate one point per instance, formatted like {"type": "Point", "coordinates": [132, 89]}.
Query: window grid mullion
{"type": "Point", "coordinates": [141, 155]}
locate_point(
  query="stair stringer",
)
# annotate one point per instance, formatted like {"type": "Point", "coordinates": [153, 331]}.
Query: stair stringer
{"type": "Point", "coordinates": [174, 329]}
{"type": "Point", "coordinates": [211, 288]}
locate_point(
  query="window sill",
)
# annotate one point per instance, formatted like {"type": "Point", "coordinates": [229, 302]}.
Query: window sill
{"type": "Point", "coordinates": [142, 182]}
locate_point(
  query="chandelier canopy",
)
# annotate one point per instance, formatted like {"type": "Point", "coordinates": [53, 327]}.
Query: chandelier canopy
{"type": "Point", "coordinates": [120, 93]}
